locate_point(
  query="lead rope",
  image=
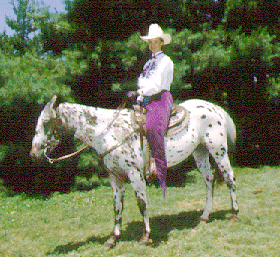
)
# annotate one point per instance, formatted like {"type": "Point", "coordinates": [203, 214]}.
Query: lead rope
{"type": "Point", "coordinates": [119, 109]}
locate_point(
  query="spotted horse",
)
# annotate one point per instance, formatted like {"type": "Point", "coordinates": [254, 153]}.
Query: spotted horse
{"type": "Point", "coordinates": [115, 137]}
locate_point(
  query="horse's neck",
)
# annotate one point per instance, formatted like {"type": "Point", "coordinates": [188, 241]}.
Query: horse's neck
{"type": "Point", "coordinates": [103, 129]}
{"type": "Point", "coordinates": [86, 122]}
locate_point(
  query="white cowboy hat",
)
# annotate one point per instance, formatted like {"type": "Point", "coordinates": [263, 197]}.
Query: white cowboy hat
{"type": "Point", "coordinates": [155, 31]}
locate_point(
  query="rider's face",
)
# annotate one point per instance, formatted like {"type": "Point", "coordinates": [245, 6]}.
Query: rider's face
{"type": "Point", "coordinates": [155, 45]}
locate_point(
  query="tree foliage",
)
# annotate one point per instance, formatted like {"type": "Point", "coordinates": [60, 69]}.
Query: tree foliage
{"type": "Point", "coordinates": [28, 15]}
{"type": "Point", "coordinates": [225, 51]}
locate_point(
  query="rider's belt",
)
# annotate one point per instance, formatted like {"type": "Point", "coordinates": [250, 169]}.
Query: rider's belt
{"type": "Point", "coordinates": [149, 99]}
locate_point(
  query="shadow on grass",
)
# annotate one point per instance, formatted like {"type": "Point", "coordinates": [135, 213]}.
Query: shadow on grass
{"type": "Point", "coordinates": [161, 227]}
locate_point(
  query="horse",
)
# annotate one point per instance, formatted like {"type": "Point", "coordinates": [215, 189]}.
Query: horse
{"type": "Point", "coordinates": [115, 137]}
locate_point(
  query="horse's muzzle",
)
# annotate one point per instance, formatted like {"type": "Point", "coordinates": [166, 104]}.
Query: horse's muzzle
{"type": "Point", "coordinates": [36, 155]}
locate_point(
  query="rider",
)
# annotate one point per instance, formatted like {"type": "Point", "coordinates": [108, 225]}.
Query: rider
{"type": "Point", "coordinates": [154, 95]}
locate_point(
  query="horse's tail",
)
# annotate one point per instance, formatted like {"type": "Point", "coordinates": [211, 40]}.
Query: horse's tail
{"type": "Point", "coordinates": [231, 129]}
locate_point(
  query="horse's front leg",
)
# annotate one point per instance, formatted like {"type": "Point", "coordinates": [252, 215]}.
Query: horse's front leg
{"type": "Point", "coordinates": [118, 196]}
{"type": "Point", "coordinates": [138, 184]}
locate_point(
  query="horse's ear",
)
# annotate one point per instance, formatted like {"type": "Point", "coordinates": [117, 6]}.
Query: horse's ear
{"type": "Point", "coordinates": [52, 102]}
{"type": "Point", "coordinates": [49, 106]}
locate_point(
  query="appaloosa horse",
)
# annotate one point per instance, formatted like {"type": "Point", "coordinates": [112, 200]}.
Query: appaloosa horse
{"type": "Point", "coordinates": [115, 137]}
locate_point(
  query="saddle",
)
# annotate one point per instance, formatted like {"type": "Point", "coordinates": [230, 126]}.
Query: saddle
{"type": "Point", "coordinates": [179, 119]}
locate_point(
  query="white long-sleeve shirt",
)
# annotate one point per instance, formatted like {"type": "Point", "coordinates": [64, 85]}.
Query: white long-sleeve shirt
{"type": "Point", "coordinates": [157, 75]}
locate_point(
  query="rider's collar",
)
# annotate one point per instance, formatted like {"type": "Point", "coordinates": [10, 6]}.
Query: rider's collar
{"type": "Point", "coordinates": [157, 54]}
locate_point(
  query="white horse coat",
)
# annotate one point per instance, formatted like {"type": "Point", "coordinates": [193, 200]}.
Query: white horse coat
{"type": "Point", "coordinates": [115, 136]}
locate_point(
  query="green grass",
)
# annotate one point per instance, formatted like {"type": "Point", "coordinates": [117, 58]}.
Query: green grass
{"type": "Point", "coordinates": [79, 222]}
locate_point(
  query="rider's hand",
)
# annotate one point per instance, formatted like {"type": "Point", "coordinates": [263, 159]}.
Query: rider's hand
{"type": "Point", "coordinates": [131, 94]}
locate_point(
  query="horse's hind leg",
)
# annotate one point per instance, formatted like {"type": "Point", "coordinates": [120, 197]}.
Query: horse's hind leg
{"type": "Point", "coordinates": [118, 196]}
{"type": "Point", "coordinates": [222, 160]}
{"type": "Point", "coordinates": [201, 156]}
{"type": "Point", "coordinates": [139, 186]}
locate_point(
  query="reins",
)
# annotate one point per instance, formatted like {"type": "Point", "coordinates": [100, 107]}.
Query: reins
{"type": "Point", "coordinates": [65, 156]}
{"type": "Point", "coordinates": [119, 109]}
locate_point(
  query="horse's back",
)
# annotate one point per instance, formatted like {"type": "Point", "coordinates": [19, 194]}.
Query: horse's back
{"type": "Point", "coordinates": [197, 104]}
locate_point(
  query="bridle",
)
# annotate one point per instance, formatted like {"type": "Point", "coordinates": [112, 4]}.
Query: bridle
{"type": "Point", "coordinates": [101, 156]}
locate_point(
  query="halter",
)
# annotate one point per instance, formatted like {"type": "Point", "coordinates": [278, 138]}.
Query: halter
{"type": "Point", "coordinates": [119, 109]}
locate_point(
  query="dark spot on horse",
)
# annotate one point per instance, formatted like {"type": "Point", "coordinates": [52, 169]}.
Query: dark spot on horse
{"type": "Point", "coordinates": [141, 203]}
{"type": "Point", "coordinates": [210, 125]}
{"type": "Point", "coordinates": [135, 136]}
{"type": "Point", "coordinates": [219, 123]}
{"type": "Point", "coordinates": [180, 151]}
{"type": "Point", "coordinates": [223, 149]}
{"type": "Point", "coordinates": [217, 153]}
{"type": "Point", "coordinates": [207, 134]}
{"type": "Point", "coordinates": [209, 110]}
{"type": "Point", "coordinates": [221, 134]}
{"type": "Point", "coordinates": [203, 117]}
{"type": "Point", "coordinates": [200, 106]}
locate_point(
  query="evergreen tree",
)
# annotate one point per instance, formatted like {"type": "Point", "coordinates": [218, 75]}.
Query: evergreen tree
{"type": "Point", "coordinates": [28, 15]}
{"type": "Point", "coordinates": [23, 25]}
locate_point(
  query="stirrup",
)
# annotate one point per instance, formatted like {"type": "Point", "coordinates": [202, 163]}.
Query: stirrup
{"type": "Point", "coordinates": [151, 173]}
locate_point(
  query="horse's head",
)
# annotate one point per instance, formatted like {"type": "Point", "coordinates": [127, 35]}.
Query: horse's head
{"type": "Point", "coordinates": [45, 139]}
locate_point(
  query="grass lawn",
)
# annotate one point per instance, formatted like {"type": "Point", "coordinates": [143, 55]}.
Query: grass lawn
{"type": "Point", "coordinates": [79, 222]}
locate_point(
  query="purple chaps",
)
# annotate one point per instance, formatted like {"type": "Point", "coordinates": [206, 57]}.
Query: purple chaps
{"type": "Point", "coordinates": [157, 119]}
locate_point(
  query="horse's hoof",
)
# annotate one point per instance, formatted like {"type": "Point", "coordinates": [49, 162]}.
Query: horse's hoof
{"type": "Point", "coordinates": [145, 240]}
{"type": "Point", "coordinates": [111, 242]}
{"type": "Point", "coordinates": [204, 220]}
{"type": "Point", "coordinates": [233, 217]}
